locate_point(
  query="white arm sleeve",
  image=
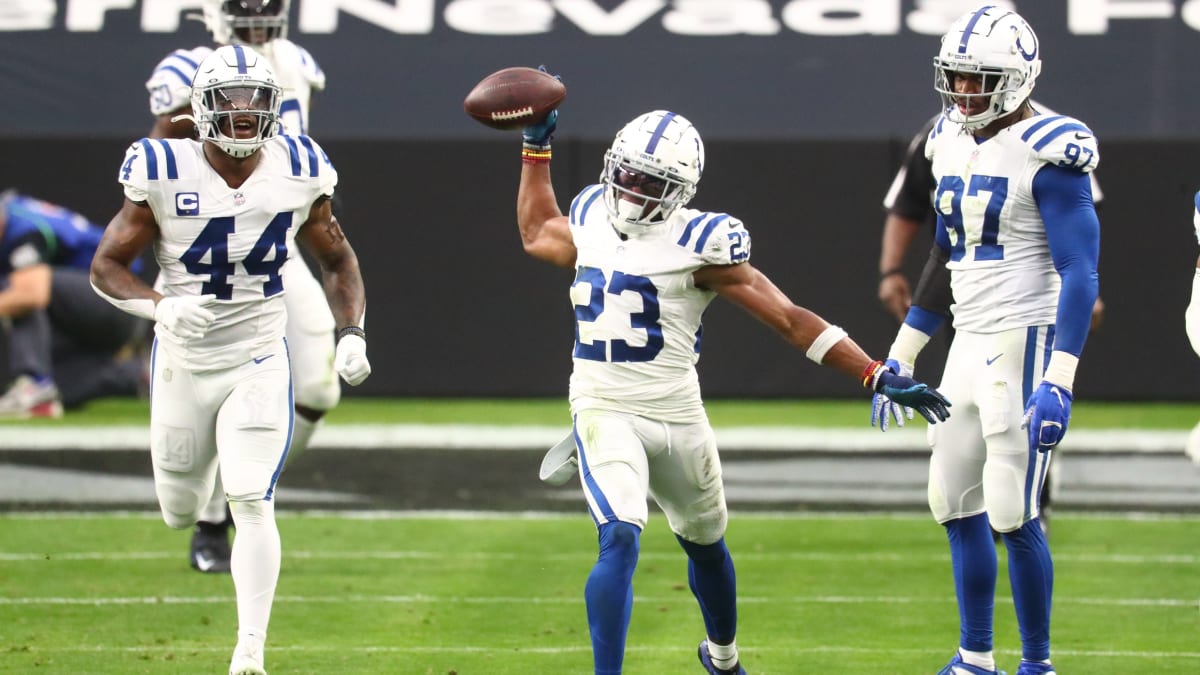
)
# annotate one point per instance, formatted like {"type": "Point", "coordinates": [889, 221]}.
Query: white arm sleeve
{"type": "Point", "coordinates": [143, 307]}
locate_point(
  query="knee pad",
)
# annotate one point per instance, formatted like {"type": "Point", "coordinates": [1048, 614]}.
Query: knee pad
{"type": "Point", "coordinates": [320, 394]}
{"type": "Point", "coordinates": [619, 540]}
{"type": "Point", "coordinates": [251, 512]}
{"type": "Point", "coordinates": [182, 501]}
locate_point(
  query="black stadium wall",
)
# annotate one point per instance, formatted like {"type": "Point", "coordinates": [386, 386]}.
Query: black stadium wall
{"type": "Point", "coordinates": [455, 307]}
{"type": "Point", "coordinates": [805, 107]}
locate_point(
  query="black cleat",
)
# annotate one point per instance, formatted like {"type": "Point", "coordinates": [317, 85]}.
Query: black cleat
{"type": "Point", "coordinates": [210, 548]}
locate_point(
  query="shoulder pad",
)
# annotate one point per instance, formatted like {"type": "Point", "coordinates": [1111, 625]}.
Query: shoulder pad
{"type": "Point", "coordinates": [307, 159]}
{"type": "Point", "coordinates": [148, 161]}
{"type": "Point", "coordinates": [170, 85]}
{"type": "Point", "coordinates": [585, 201]}
{"type": "Point", "coordinates": [718, 238]}
{"type": "Point", "coordinates": [1063, 141]}
{"type": "Point", "coordinates": [306, 64]}
{"type": "Point", "coordinates": [940, 126]}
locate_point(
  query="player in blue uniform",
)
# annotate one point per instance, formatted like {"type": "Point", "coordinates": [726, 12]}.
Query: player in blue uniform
{"type": "Point", "coordinates": [646, 267]}
{"type": "Point", "coordinates": [63, 341]}
{"type": "Point", "coordinates": [1014, 262]}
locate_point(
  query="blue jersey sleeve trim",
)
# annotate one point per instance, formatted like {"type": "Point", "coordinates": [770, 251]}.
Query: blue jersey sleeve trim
{"type": "Point", "coordinates": [583, 202]}
{"type": "Point", "coordinates": [182, 55]}
{"type": "Point", "coordinates": [1064, 199]}
{"type": "Point", "coordinates": [687, 230]}
{"type": "Point", "coordinates": [1196, 201]}
{"type": "Point", "coordinates": [151, 159]}
{"type": "Point", "coordinates": [1033, 128]}
{"type": "Point", "coordinates": [294, 154]}
{"type": "Point", "coordinates": [708, 230]}
{"type": "Point", "coordinates": [177, 73]}
{"type": "Point", "coordinates": [924, 320]}
{"type": "Point", "coordinates": [1048, 138]}
{"type": "Point", "coordinates": [172, 168]}
{"type": "Point", "coordinates": [313, 167]}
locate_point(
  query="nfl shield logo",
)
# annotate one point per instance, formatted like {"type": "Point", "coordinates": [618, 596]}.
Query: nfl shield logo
{"type": "Point", "coordinates": [239, 199]}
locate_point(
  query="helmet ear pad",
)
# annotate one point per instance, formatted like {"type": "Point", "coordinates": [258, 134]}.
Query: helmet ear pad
{"type": "Point", "coordinates": [652, 168]}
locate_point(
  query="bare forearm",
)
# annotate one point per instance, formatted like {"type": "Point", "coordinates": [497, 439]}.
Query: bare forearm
{"type": "Point", "coordinates": [898, 235]}
{"type": "Point", "coordinates": [345, 292]}
{"type": "Point", "coordinates": [116, 280]}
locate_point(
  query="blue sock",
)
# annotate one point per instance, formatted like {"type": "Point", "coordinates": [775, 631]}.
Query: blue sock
{"type": "Point", "coordinates": [973, 556]}
{"type": "Point", "coordinates": [1031, 573]}
{"type": "Point", "coordinates": [713, 582]}
{"type": "Point", "coordinates": [609, 595]}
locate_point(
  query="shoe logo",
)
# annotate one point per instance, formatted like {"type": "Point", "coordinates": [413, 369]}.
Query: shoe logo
{"type": "Point", "coordinates": [263, 358]}
{"type": "Point", "coordinates": [993, 359]}
{"type": "Point", "coordinates": [1082, 137]}
{"type": "Point", "coordinates": [204, 563]}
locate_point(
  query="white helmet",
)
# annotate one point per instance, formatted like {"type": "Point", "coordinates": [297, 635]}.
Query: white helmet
{"type": "Point", "coordinates": [998, 45]}
{"type": "Point", "coordinates": [233, 85]}
{"type": "Point", "coordinates": [651, 169]}
{"type": "Point", "coordinates": [246, 22]}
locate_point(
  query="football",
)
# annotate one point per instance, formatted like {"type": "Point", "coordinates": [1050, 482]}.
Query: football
{"type": "Point", "coordinates": [515, 97]}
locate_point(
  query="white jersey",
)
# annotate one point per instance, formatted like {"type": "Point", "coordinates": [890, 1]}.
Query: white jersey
{"type": "Point", "coordinates": [1001, 272]}
{"type": "Point", "coordinates": [638, 311]}
{"type": "Point", "coordinates": [214, 239]}
{"type": "Point", "coordinates": [170, 85]}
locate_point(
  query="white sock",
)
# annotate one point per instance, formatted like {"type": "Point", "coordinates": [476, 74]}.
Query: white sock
{"type": "Point", "coordinates": [723, 656]}
{"type": "Point", "coordinates": [978, 659]}
{"type": "Point", "coordinates": [302, 433]}
{"type": "Point", "coordinates": [255, 566]}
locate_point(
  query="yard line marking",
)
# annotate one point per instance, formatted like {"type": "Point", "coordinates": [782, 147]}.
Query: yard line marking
{"type": "Point", "coordinates": [587, 556]}
{"type": "Point", "coordinates": [836, 440]}
{"type": "Point", "coordinates": [573, 649]}
{"type": "Point", "coordinates": [572, 600]}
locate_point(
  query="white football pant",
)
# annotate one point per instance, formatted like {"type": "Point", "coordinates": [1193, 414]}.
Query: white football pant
{"type": "Point", "coordinates": [981, 458]}
{"type": "Point", "coordinates": [238, 418]}
{"type": "Point", "coordinates": [625, 458]}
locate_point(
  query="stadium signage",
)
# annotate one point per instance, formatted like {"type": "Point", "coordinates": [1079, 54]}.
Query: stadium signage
{"type": "Point", "coordinates": [598, 18]}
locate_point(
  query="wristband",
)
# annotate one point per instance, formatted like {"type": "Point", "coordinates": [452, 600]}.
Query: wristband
{"type": "Point", "coordinates": [890, 273]}
{"type": "Point", "coordinates": [349, 330]}
{"type": "Point", "coordinates": [535, 154]}
{"type": "Point", "coordinates": [908, 344]}
{"type": "Point", "coordinates": [824, 342]}
{"type": "Point", "coordinates": [871, 373]}
{"type": "Point", "coordinates": [1061, 369]}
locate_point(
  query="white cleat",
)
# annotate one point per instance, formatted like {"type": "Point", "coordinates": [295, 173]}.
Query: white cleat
{"type": "Point", "coordinates": [247, 661]}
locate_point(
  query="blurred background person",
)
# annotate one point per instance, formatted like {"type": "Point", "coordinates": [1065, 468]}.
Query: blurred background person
{"type": "Point", "coordinates": [65, 345]}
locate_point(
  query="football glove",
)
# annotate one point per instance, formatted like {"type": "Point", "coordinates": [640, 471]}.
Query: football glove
{"type": "Point", "coordinates": [186, 316]}
{"type": "Point", "coordinates": [909, 393]}
{"type": "Point", "coordinates": [541, 134]}
{"type": "Point", "coordinates": [1046, 416]}
{"type": "Point", "coordinates": [350, 360]}
{"type": "Point", "coordinates": [883, 409]}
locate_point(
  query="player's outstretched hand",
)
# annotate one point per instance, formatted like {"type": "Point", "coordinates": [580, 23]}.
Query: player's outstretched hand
{"type": "Point", "coordinates": [186, 316]}
{"type": "Point", "coordinates": [883, 409]}
{"type": "Point", "coordinates": [909, 393]}
{"type": "Point", "coordinates": [1046, 416]}
{"type": "Point", "coordinates": [541, 134]}
{"type": "Point", "coordinates": [350, 360]}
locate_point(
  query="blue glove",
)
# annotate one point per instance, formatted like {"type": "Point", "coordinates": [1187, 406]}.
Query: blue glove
{"type": "Point", "coordinates": [540, 134]}
{"type": "Point", "coordinates": [883, 409]}
{"type": "Point", "coordinates": [912, 394]}
{"type": "Point", "coordinates": [1046, 416]}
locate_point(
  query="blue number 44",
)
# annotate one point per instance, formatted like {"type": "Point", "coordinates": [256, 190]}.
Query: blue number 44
{"type": "Point", "coordinates": [214, 241]}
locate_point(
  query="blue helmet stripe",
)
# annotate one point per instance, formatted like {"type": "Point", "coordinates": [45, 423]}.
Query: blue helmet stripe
{"type": "Point", "coordinates": [294, 153]}
{"type": "Point", "coordinates": [708, 230]}
{"type": "Point", "coordinates": [172, 169]}
{"type": "Point", "coordinates": [313, 168]}
{"type": "Point", "coordinates": [1074, 126]}
{"type": "Point", "coordinates": [658, 132]}
{"type": "Point", "coordinates": [241, 59]}
{"type": "Point", "coordinates": [970, 29]}
{"type": "Point", "coordinates": [151, 159]}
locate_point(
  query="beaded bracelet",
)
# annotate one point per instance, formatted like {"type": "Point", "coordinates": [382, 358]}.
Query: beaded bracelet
{"type": "Point", "coordinates": [535, 154]}
{"type": "Point", "coordinates": [869, 373]}
{"type": "Point", "coordinates": [350, 330]}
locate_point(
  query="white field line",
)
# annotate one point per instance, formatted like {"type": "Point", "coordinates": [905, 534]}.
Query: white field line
{"type": "Point", "coordinates": [419, 599]}
{"type": "Point", "coordinates": [434, 514]}
{"type": "Point", "coordinates": [574, 649]}
{"type": "Point", "coordinates": [484, 437]}
{"type": "Point", "coordinates": [587, 556]}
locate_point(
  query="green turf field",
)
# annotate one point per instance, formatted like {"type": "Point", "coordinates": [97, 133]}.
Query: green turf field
{"type": "Point", "coordinates": [490, 596]}
{"type": "Point", "coordinates": [724, 413]}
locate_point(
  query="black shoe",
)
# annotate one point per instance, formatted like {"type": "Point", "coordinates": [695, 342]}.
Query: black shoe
{"type": "Point", "coordinates": [210, 548]}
